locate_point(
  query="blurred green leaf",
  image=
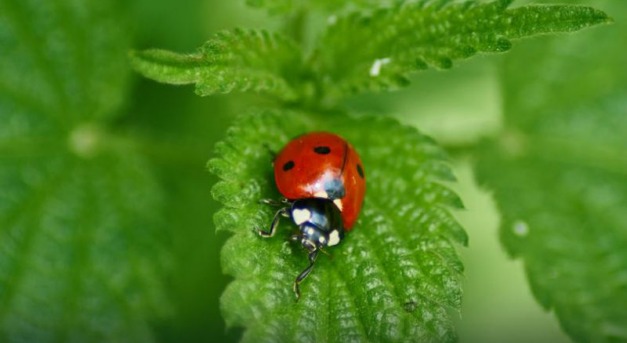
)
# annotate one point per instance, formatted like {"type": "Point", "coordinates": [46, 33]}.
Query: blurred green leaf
{"type": "Point", "coordinates": [393, 278]}
{"type": "Point", "coordinates": [81, 252]}
{"type": "Point", "coordinates": [559, 171]}
{"type": "Point", "coordinates": [239, 60]}
{"type": "Point", "coordinates": [289, 6]}
{"type": "Point", "coordinates": [376, 52]}
{"type": "Point", "coordinates": [273, 6]}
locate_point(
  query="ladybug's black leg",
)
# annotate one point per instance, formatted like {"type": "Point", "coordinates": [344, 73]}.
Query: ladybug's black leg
{"type": "Point", "coordinates": [312, 259]}
{"type": "Point", "coordinates": [275, 222]}
{"type": "Point", "coordinates": [272, 202]}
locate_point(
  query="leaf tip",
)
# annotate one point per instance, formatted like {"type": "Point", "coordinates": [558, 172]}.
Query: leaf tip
{"type": "Point", "coordinates": [166, 66]}
{"type": "Point", "coordinates": [590, 16]}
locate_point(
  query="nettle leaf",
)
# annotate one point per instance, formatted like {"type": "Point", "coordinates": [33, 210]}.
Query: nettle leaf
{"type": "Point", "coordinates": [80, 253]}
{"type": "Point", "coordinates": [393, 278]}
{"type": "Point", "coordinates": [383, 48]}
{"type": "Point", "coordinates": [559, 174]}
{"type": "Point", "coordinates": [238, 60]}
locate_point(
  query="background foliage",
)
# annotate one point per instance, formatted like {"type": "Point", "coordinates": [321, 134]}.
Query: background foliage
{"type": "Point", "coordinates": [95, 161]}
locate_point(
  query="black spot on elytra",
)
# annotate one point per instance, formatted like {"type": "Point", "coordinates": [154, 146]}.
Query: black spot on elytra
{"type": "Point", "coordinates": [360, 171]}
{"type": "Point", "coordinates": [288, 165]}
{"type": "Point", "coordinates": [322, 150]}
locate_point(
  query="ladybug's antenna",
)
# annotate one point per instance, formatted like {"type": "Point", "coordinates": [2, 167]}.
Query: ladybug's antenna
{"type": "Point", "coordinates": [325, 252]}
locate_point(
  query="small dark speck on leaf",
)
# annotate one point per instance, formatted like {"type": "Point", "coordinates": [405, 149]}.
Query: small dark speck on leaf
{"type": "Point", "coordinates": [410, 306]}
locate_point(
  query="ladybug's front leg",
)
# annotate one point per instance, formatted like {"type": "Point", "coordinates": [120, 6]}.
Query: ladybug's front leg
{"type": "Point", "coordinates": [283, 212]}
{"type": "Point", "coordinates": [279, 203]}
{"type": "Point", "coordinates": [312, 259]}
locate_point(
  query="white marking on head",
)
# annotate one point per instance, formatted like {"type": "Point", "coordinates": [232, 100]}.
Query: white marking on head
{"type": "Point", "coordinates": [300, 215]}
{"type": "Point", "coordinates": [322, 240]}
{"type": "Point", "coordinates": [338, 203]}
{"type": "Point", "coordinates": [375, 69]}
{"type": "Point", "coordinates": [311, 231]}
{"type": "Point", "coordinates": [321, 194]}
{"type": "Point", "coordinates": [334, 238]}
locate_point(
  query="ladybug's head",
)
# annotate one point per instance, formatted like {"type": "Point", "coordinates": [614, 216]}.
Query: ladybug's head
{"type": "Point", "coordinates": [319, 221]}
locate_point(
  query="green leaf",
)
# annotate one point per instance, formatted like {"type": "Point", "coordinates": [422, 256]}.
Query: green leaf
{"type": "Point", "coordinates": [239, 60]}
{"type": "Point", "coordinates": [289, 6]}
{"type": "Point", "coordinates": [393, 278]}
{"type": "Point", "coordinates": [273, 6]}
{"type": "Point", "coordinates": [81, 256]}
{"type": "Point", "coordinates": [377, 52]}
{"type": "Point", "coordinates": [559, 174]}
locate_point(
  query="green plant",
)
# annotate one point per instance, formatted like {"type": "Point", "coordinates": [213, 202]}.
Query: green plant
{"type": "Point", "coordinates": [87, 217]}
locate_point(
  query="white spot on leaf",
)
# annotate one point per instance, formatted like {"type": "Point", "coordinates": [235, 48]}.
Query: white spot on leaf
{"type": "Point", "coordinates": [375, 69]}
{"type": "Point", "coordinates": [521, 228]}
{"type": "Point", "coordinates": [84, 140]}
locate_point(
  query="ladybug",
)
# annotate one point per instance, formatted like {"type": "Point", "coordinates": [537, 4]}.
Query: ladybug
{"type": "Point", "coordinates": [322, 180]}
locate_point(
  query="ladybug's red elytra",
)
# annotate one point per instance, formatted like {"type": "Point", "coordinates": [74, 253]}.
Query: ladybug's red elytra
{"type": "Point", "coordinates": [322, 180]}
